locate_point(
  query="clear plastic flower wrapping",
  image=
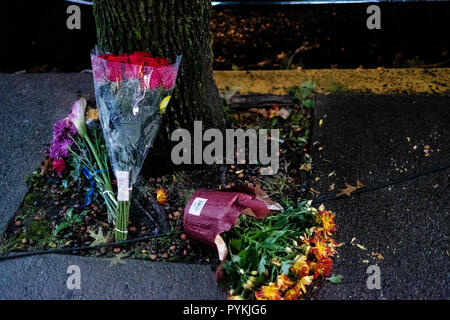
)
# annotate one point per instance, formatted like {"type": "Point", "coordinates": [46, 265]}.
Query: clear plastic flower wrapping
{"type": "Point", "coordinates": [131, 101]}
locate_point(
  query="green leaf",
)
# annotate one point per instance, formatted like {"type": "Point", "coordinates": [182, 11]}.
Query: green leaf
{"type": "Point", "coordinates": [235, 258]}
{"type": "Point", "coordinates": [236, 244]}
{"type": "Point", "coordinates": [308, 103]}
{"type": "Point", "coordinates": [262, 265]}
{"type": "Point", "coordinates": [69, 213]}
{"type": "Point", "coordinates": [85, 212]}
{"type": "Point", "coordinates": [61, 227]}
{"type": "Point", "coordinates": [285, 266]}
{"type": "Point", "coordinates": [335, 279]}
{"type": "Point", "coordinates": [65, 183]}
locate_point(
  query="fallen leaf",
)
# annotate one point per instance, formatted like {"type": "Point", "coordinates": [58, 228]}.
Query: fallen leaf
{"type": "Point", "coordinates": [46, 166]}
{"type": "Point", "coordinates": [361, 246]}
{"type": "Point", "coordinates": [99, 237]}
{"type": "Point", "coordinates": [335, 279]}
{"type": "Point", "coordinates": [349, 188]}
{"type": "Point", "coordinates": [306, 167]}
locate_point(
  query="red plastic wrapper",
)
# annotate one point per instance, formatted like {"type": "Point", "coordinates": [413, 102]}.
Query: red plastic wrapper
{"type": "Point", "coordinates": [209, 213]}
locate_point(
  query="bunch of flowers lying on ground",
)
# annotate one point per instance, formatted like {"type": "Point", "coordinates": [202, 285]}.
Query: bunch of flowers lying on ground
{"type": "Point", "coordinates": [277, 257]}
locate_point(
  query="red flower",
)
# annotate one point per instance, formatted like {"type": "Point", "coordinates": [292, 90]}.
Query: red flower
{"type": "Point", "coordinates": [153, 79]}
{"type": "Point", "coordinates": [135, 68]}
{"type": "Point", "coordinates": [59, 165]}
{"type": "Point", "coordinates": [142, 54]}
{"type": "Point", "coordinates": [151, 62]}
{"type": "Point", "coordinates": [114, 67]}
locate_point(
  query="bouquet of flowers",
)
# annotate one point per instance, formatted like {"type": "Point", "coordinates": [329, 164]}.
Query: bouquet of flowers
{"type": "Point", "coordinates": [278, 257]}
{"type": "Point", "coordinates": [132, 93]}
{"type": "Point", "coordinates": [72, 137]}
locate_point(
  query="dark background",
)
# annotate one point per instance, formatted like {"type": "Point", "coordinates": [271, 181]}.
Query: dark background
{"type": "Point", "coordinates": [35, 38]}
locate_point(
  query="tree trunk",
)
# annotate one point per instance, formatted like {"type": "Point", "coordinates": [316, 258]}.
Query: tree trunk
{"type": "Point", "coordinates": [168, 28]}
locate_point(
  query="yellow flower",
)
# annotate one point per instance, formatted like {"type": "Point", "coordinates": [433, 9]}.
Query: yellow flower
{"type": "Point", "coordinates": [270, 292]}
{"type": "Point", "coordinates": [92, 114]}
{"type": "Point", "coordinates": [302, 283]}
{"type": "Point", "coordinates": [283, 282]}
{"type": "Point", "coordinates": [300, 267]}
{"type": "Point", "coordinates": [291, 294]}
{"type": "Point", "coordinates": [326, 219]}
{"type": "Point", "coordinates": [321, 248]}
{"type": "Point", "coordinates": [161, 196]}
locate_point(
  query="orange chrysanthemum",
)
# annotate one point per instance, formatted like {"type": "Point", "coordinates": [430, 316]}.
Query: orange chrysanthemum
{"type": "Point", "coordinates": [320, 249]}
{"type": "Point", "coordinates": [283, 282]}
{"type": "Point", "coordinates": [270, 292]}
{"type": "Point", "coordinates": [326, 220]}
{"type": "Point", "coordinates": [161, 196]}
{"type": "Point", "coordinates": [300, 267]}
{"type": "Point", "coordinates": [291, 294]}
{"type": "Point", "coordinates": [302, 283]}
{"type": "Point", "coordinates": [323, 267]}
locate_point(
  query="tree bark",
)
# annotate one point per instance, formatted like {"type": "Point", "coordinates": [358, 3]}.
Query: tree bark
{"type": "Point", "coordinates": [168, 28]}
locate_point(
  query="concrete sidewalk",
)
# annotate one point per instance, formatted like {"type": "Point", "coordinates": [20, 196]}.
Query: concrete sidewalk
{"type": "Point", "coordinates": [29, 105]}
{"type": "Point", "coordinates": [377, 138]}
{"type": "Point", "coordinates": [45, 277]}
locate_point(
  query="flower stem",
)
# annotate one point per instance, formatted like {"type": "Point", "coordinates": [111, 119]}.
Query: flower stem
{"type": "Point", "coordinates": [122, 220]}
{"type": "Point", "coordinates": [99, 161]}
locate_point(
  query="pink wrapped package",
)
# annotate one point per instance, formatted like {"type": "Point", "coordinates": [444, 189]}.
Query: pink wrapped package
{"type": "Point", "coordinates": [209, 213]}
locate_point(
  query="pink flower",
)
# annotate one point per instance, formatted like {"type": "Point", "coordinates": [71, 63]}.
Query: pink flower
{"type": "Point", "coordinates": [78, 116]}
{"type": "Point", "coordinates": [59, 165]}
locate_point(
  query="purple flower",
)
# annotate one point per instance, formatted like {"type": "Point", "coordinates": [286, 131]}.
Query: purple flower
{"type": "Point", "coordinates": [60, 148]}
{"type": "Point", "coordinates": [62, 132]}
{"type": "Point", "coordinates": [63, 128]}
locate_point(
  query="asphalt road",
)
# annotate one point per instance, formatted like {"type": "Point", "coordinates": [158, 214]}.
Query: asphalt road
{"type": "Point", "coordinates": [377, 138]}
